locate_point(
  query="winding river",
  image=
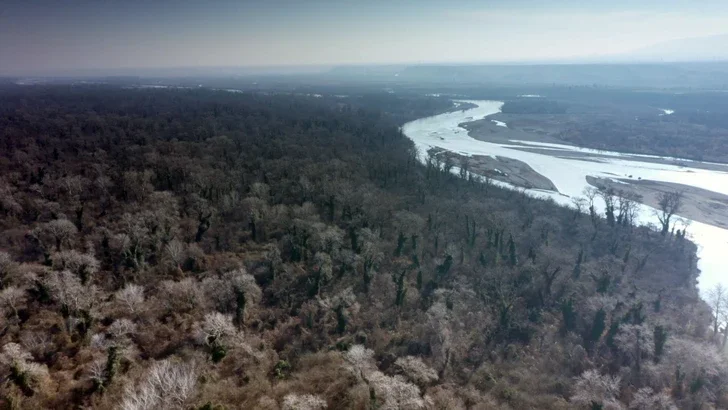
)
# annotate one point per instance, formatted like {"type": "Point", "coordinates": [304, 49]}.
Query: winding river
{"type": "Point", "coordinates": [569, 175]}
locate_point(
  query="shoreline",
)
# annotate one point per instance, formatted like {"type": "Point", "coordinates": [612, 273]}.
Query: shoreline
{"type": "Point", "coordinates": [698, 204]}
{"type": "Point", "coordinates": [504, 169]}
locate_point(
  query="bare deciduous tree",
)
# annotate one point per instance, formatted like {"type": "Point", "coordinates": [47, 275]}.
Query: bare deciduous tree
{"type": "Point", "coordinates": [391, 393]}
{"type": "Point", "coordinates": [131, 297]}
{"type": "Point", "coordinates": [28, 375]}
{"type": "Point", "coordinates": [8, 204]}
{"type": "Point", "coordinates": [717, 298]}
{"type": "Point", "coordinates": [83, 265]}
{"type": "Point", "coordinates": [634, 342]}
{"type": "Point", "coordinates": [416, 370]}
{"type": "Point", "coordinates": [590, 194]}
{"type": "Point", "coordinates": [184, 295]}
{"type": "Point", "coordinates": [67, 290]}
{"type": "Point", "coordinates": [176, 251]}
{"type": "Point", "coordinates": [593, 390]}
{"type": "Point", "coordinates": [56, 233]}
{"type": "Point", "coordinates": [11, 298]}
{"type": "Point", "coordinates": [669, 204]}
{"type": "Point", "coordinates": [167, 385]}
{"type": "Point", "coordinates": [647, 399]}
{"type": "Point", "coordinates": [293, 401]}
{"type": "Point", "coordinates": [6, 266]}
{"type": "Point", "coordinates": [216, 328]}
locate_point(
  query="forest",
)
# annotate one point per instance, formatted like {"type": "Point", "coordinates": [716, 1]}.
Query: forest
{"type": "Point", "coordinates": [199, 249]}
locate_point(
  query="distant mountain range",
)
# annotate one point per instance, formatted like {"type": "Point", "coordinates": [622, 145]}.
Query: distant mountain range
{"type": "Point", "coordinates": [704, 75]}
{"type": "Point", "coordinates": [691, 62]}
{"type": "Point", "coordinates": [713, 48]}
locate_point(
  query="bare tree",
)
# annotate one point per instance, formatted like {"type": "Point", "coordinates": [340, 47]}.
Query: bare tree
{"type": "Point", "coordinates": [647, 399]}
{"type": "Point", "coordinates": [595, 391]}
{"type": "Point", "coordinates": [579, 204]}
{"type": "Point", "coordinates": [11, 297]}
{"type": "Point", "coordinates": [627, 205]}
{"type": "Point", "coordinates": [416, 370]}
{"type": "Point", "coordinates": [6, 266]}
{"type": "Point", "coordinates": [390, 392]}
{"type": "Point", "coordinates": [28, 375]}
{"type": "Point", "coordinates": [131, 297]}
{"type": "Point", "coordinates": [176, 252]}
{"type": "Point", "coordinates": [634, 342]}
{"type": "Point", "coordinates": [216, 329]}
{"type": "Point", "coordinates": [67, 290]}
{"type": "Point", "coordinates": [8, 204]}
{"type": "Point", "coordinates": [669, 204]}
{"type": "Point", "coordinates": [717, 298]}
{"type": "Point", "coordinates": [167, 385]}
{"type": "Point", "coordinates": [609, 197]}
{"type": "Point", "coordinates": [81, 264]}
{"type": "Point", "coordinates": [57, 232]}
{"type": "Point", "coordinates": [96, 372]}
{"type": "Point", "coordinates": [294, 401]}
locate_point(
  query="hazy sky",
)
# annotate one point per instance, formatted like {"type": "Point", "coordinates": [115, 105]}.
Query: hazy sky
{"type": "Point", "coordinates": [41, 36]}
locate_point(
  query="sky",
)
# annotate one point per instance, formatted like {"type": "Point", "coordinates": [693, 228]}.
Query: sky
{"type": "Point", "coordinates": [60, 36]}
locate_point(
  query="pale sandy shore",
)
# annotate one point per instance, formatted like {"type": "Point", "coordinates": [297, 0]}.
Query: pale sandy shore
{"type": "Point", "coordinates": [503, 169]}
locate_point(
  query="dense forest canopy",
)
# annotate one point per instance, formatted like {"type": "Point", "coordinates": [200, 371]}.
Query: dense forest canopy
{"type": "Point", "coordinates": [205, 249]}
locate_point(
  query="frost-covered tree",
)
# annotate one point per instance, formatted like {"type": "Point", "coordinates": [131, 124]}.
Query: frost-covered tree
{"type": "Point", "coordinates": [131, 297]}
{"type": "Point", "coordinates": [717, 298]}
{"type": "Point", "coordinates": [409, 227]}
{"type": "Point", "coordinates": [176, 252]}
{"type": "Point", "coordinates": [440, 333]}
{"type": "Point", "coordinates": [216, 327]}
{"type": "Point", "coordinates": [647, 399]}
{"type": "Point", "coordinates": [11, 298]}
{"type": "Point", "coordinates": [293, 401]}
{"type": "Point", "coordinates": [121, 329]}
{"type": "Point", "coordinates": [693, 365]}
{"type": "Point", "coordinates": [8, 204]}
{"type": "Point", "coordinates": [166, 385]}
{"type": "Point", "coordinates": [256, 210]}
{"type": "Point", "coordinates": [83, 265]}
{"type": "Point", "coordinates": [416, 370]}
{"type": "Point", "coordinates": [360, 360]}
{"type": "Point", "coordinates": [6, 266]}
{"type": "Point", "coordinates": [326, 238]}
{"type": "Point", "coordinates": [391, 393]}
{"type": "Point", "coordinates": [235, 291]}
{"type": "Point", "coordinates": [595, 391]}
{"type": "Point", "coordinates": [260, 190]}
{"type": "Point", "coordinates": [394, 393]}
{"type": "Point", "coordinates": [635, 342]}
{"type": "Point", "coordinates": [323, 270]}
{"type": "Point", "coordinates": [56, 233]}
{"type": "Point", "coordinates": [218, 333]}
{"type": "Point", "coordinates": [16, 365]}
{"type": "Point", "coordinates": [96, 372]}
{"type": "Point", "coordinates": [39, 343]}
{"type": "Point", "coordinates": [66, 289]}
{"type": "Point", "coordinates": [184, 295]}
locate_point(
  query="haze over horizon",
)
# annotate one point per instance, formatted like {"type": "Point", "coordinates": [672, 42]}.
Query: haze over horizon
{"type": "Point", "coordinates": [43, 37]}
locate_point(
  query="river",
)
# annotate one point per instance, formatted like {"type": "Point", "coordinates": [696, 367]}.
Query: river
{"type": "Point", "coordinates": [569, 175]}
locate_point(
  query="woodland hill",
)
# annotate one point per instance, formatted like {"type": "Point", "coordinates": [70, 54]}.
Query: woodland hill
{"type": "Point", "coordinates": [209, 250]}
